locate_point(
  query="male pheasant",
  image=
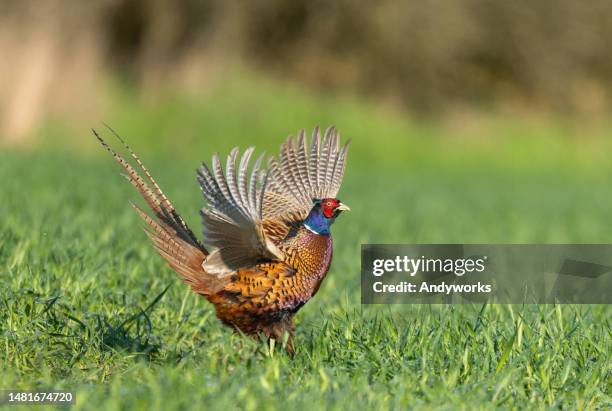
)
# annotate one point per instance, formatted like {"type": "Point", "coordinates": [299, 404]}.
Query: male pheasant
{"type": "Point", "coordinates": [268, 229]}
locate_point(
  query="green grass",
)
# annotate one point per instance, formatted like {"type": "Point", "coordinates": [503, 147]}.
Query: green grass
{"type": "Point", "coordinates": [82, 302]}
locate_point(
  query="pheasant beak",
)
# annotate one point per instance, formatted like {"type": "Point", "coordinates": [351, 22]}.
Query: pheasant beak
{"type": "Point", "coordinates": [343, 207]}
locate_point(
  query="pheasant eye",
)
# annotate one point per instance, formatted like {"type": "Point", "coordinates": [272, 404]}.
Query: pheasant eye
{"type": "Point", "coordinates": [328, 204]}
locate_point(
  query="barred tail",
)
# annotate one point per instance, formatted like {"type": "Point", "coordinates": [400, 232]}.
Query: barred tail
{"type": "Point", "coordinates": [171, 236]}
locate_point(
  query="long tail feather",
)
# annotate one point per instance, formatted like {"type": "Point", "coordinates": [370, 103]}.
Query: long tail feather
{"type": "Point", "coordinates": [162, 207]}
{"type": "Point", "coordinates": [169, 233]}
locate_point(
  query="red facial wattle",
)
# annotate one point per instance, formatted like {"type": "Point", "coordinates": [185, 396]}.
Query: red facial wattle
{"type": "Point", "coordinates": [328, 206]}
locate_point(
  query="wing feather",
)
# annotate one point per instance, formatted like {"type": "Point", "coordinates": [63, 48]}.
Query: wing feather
{"type": "Point", "coordinates": [242, 180]}
{"type": "Point", "coordinates": [304, 175]}
{"type": "Point", "coordinates": [255, 174]}
{"type": "Point", "coordinates": [233, 221]}
{"type": "Point", "coordinates": [314, 160]}
{"type": "Point", "coordinates": [302, 160]}
{"type": "Point", "coordinates": [290, 168]}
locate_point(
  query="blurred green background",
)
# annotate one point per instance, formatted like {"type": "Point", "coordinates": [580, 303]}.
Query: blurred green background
{"type": "Point", "coordinates": [472, 121]}
{"type": "Point", "coordinates": [427, 61]}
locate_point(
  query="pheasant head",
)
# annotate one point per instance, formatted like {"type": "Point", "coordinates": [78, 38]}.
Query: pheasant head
{"type": "Point", "coordinates": [323, 214]}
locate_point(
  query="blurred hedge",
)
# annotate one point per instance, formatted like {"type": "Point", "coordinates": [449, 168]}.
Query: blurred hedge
{"type": "Point", "coordinates": [428, 55]}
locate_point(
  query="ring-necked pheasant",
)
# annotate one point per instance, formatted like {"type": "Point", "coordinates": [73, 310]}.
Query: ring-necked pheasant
{"type": "Point", "coordinates": [269, 230]}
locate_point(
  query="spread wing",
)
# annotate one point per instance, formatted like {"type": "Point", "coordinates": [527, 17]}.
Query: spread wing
{"type": "Point", "coordinates": [251, 210]}
{"type": "Point", "coordinates": [300, 175]}
{"type": "Point", "coordinates": [233, 221]}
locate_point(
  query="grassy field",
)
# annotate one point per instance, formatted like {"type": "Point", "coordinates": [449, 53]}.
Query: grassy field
{"type": "Point", "coordinates": [87, 305]}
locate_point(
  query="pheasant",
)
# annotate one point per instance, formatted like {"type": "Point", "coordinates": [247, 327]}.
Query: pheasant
{"type": "Point", "coordinates": [266, 230]}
